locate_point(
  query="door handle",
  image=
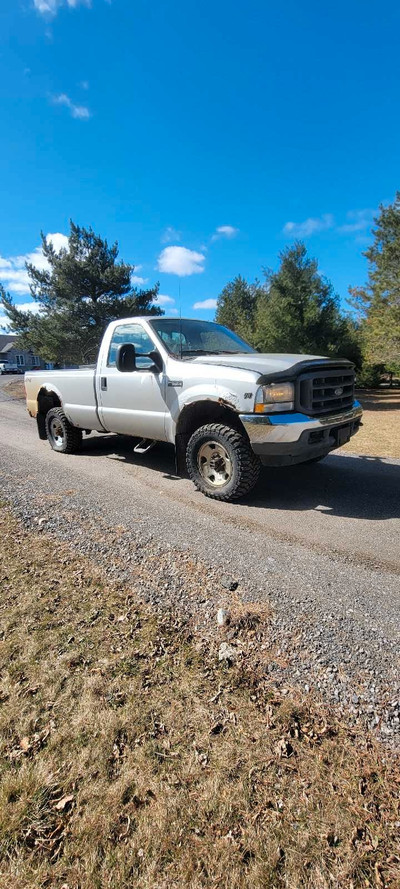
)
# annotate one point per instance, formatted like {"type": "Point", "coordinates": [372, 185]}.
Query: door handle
{"type": "Point", "coordinates": [103, 384]}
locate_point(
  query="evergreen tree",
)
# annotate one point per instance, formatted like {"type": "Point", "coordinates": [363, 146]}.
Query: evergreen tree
{"type": "Point", "coordinates": [378, 303]}
{"type": "Point", "coordinates": [236, 307]}
{"type": "Point", "coordinates": [299, 312]}
{"type": "Point", "coordinates": [80, 292]}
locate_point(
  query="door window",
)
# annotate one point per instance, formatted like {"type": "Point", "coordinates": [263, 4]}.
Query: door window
{"type": "Point", "coordinates": [135, 334]}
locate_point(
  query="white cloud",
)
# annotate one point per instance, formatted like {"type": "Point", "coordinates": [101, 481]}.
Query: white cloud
{"type": "Point", "coordinates": [358, 221]}
{"type": "Point", "coordinates": [225, 231]}
{"type": "Point", "coordinates": [180, 261]}
{"type": "Point", "coordinates": [170, 234]}
{"type": "Point", "coordinates": [310, 226]}
{"type": "Point", "coordinates": [80, 112]}
{"type": "Point", "coordinates": [58, 240]}
{"type": "Point", "coordinates": [33, 307]}
{"type": "Point", "coordinates": [206, 304]}
{"type": "Point", "coordinates": [13, 273]}
{"type": "Point", "coordinates": [163, 300]}
{"type": "Point", "coordinates": [166, 302]}
{"type": "Point", "coordinates": [138, 279]}
{"type": "Point", "coordinates": [51, 7]}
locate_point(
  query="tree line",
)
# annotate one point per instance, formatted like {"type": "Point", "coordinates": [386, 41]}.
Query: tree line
{"type": "Point", "coordinates": [293, 309]}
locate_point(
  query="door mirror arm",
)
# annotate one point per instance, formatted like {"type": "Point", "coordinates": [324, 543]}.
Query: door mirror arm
{"type": "Point", "coordinates": [157, 360]}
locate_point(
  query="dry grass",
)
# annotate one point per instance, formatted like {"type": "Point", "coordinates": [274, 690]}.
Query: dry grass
{"type": "Point", "coordinates": [130, 757]}
{"type": "Point", "coordinates": [16, 389]}
{"type": "Point", "coordinates": [380, 434]}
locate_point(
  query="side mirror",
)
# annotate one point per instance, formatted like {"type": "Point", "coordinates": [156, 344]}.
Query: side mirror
{"type": "Point", "coordinates": [126, 358]}
{"type": "Point", "coordinates": [157, 360]}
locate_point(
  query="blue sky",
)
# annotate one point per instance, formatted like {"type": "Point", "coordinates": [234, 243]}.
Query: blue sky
{"type": "Point", "coordinates": [203, 136]}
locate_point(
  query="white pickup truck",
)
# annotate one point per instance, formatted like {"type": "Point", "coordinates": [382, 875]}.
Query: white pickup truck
{"type": "Point", "coordinates": [6, 367]}
{"type": "Point", "coordinates": [226, 408]}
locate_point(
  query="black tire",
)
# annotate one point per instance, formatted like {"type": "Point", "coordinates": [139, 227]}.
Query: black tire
{"type": "Point", "coordinates": [61, 434]}
{"type": "Point", "coordinates": [234, 475]}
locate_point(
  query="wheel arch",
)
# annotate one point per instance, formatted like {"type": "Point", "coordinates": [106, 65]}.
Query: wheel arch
{"type": "Point", "coordinates": [199, 413]}
{"type": "Point", "coordinates": [47, 398]}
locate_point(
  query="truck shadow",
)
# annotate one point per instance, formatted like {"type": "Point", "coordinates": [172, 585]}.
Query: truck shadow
{"type": "Point", "coordinates": [348, 486]}
{"type": "Point", "coordinates": [121, 448]}
{"type": "Point", "coordinates": [352, 487]}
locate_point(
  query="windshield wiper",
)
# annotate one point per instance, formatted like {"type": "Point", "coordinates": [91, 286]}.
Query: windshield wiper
{"type": "Point", "coordinates": [210, 352]}
{"type": "Point", "coordinates": [197, 352]}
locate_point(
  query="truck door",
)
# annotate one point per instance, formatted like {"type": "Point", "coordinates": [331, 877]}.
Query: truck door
{"type": "Point", "coordinates": [132, 403]}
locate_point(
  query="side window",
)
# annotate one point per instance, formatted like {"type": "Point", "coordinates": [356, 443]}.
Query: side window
{"type": "Point", "coordinates": [135, 334]}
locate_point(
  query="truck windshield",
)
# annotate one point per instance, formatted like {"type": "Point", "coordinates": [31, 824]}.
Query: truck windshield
{"type": "Point", "coordinates": [185, 338]}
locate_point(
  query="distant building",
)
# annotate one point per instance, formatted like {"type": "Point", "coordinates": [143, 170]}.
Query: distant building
{"type": "Point", "coordinates": [10, 352]}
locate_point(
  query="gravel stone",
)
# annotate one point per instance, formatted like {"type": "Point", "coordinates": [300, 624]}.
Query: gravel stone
{"type": "Point", "coordinates": [226, 652]}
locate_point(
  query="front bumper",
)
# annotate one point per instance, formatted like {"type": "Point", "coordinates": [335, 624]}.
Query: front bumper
{"type": "Point", "coordinates": [282, 439]}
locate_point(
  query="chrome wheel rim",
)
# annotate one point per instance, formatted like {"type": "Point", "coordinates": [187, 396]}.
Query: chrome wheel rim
{"type": "Point", "coordinates": [214, 464]}
{"type": "Point", "coordinates": [57, 432]}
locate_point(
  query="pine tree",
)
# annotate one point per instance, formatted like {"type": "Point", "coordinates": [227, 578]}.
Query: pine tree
{"type": "Point", "coordinates": [83, 288]}
{"type": "Point", "coordinates": [299, 312]}
{"type": "Point", "coordinates": [378, 303]}
{"type": "Point", "coordinates": [236, 307]}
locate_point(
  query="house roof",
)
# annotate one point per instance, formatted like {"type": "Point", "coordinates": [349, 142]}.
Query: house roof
{"type": "Point", "coordinates": [7, 348]}
{"type": "Point", "coordinates": [7, 339]}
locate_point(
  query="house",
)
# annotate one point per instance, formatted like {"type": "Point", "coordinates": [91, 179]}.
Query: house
{"type": "Point", "coordinates": [10, 352]}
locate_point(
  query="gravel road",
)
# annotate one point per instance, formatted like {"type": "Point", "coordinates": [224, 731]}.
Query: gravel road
{"type": "Point", "coordinates": [319, 544]}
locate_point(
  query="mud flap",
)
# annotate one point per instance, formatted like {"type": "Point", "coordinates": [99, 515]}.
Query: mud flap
{"type": "Point", "coordinates": [181, 442]}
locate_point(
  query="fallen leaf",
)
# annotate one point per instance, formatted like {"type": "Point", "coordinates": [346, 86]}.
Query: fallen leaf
{"type": "Point", "coordinates": [64, 802]}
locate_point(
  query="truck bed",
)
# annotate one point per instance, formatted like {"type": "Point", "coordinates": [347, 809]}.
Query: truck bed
{"type": "Point", "coordinates": [76, 391]}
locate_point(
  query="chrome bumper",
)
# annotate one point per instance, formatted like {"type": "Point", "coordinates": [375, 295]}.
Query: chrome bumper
{"type": "Point", "coordinates": [287, 436]}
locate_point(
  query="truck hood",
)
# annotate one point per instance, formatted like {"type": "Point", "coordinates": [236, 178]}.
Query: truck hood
{"type": "Point", "coordinates": [259, 362]}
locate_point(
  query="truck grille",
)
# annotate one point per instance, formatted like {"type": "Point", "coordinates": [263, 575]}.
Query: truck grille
{"type": "Point", "coordinates": [326, 392]}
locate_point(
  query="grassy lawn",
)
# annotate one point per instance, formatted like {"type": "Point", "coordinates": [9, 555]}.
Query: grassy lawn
{"type": "Point", "coordinates": [380, 434]}
{"type": "Point", "coordinates": [131, 757]}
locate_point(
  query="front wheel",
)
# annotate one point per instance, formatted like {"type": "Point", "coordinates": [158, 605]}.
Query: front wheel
{"type": "Point", "coordinates": [61, 434]}
{"type": "Point", "coordinates": [221, 462]}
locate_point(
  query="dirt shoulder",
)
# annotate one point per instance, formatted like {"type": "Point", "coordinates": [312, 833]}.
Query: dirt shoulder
{"type": "Point", "coordinates": [130, 755]}
{"type": "Point", "coordinates": [15, 389]}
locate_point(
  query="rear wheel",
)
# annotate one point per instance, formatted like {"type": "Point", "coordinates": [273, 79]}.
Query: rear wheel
{"type": "Point", "coordinates": [61, 434]}
{"type": "Point", "coordinates": [221, 462]}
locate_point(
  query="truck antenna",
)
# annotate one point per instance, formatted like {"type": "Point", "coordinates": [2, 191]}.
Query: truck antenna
{"type": "Point", "coordinates": [180, 317]}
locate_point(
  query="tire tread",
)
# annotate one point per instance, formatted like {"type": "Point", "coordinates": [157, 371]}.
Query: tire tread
{"type": "Point", "coordinates": [72, 434]}
{"type": "Point", "coordinates": [249, 464]}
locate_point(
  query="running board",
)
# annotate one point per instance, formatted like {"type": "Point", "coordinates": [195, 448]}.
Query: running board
{"type": "Point", "coordinates": [144, 445]}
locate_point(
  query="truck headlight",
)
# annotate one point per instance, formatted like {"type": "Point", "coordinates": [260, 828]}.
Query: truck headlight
{"type": "Point", "coordinates": [275, 397]}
